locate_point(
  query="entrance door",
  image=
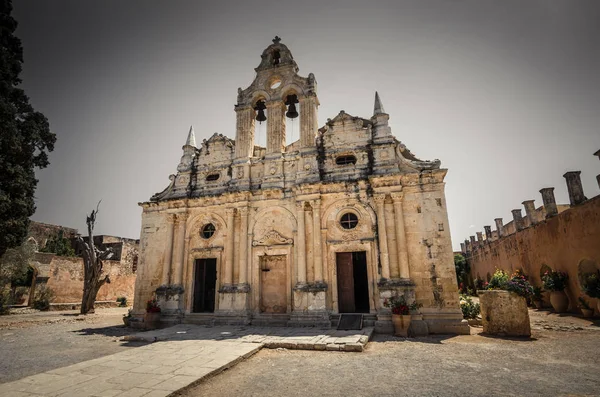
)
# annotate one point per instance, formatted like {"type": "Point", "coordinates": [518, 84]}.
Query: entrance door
{"type": "Point", "coordinates": [273, 291]}
{"type": "Point", "coordinates": [204, 285]}
{"type": "Point", "coordinates": [352, 282]}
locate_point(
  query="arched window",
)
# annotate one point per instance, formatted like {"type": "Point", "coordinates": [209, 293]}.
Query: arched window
{"type": "Point", "coordinates": [349, 220]}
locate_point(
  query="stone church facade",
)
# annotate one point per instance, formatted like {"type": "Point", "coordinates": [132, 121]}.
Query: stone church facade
{"type": "Point", "coordinates": [297, 234]}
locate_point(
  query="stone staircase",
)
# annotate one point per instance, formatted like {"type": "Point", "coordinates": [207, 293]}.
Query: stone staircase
{"type": "Point", "coordinates": [368, 319]}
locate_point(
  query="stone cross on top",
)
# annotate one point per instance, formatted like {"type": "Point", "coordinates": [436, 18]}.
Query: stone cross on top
{"type": "Point", "coordinates": [277, 39]}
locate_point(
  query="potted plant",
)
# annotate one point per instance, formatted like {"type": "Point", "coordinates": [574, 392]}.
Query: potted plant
{"type": "Point", "coordinates": [401, 313]}
{"type": "Point", "coordinates": [152, 317]}
{"type": "Point", "coordinates": [471, 310]}
{"type": "Point", "coordinates": [591, 286]}
{"type": "Point", "coordinates": [504, 305]}
{"type": "Point", "coordinates": [556, 282]}
{"type": "Point", "coordinates": [537, 298]}
{"type": "Point", "coordinates": [127, 318]}
{"type": "Point", "coordinates": [585, 308]}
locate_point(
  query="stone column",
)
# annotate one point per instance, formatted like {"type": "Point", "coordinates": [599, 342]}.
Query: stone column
{"type": "Point", "coordinates": [275, 127]}
{"type": "Point", "coordinates": [383, 247]}
{"type": "Point", "coordinates": [530, 211]}
{"type": "Point", "coordinates": [400, 236]}
{"type": "Point", "coordinates": [308, 121]}
{"type": "Point", "coordinates": [549, 201]}
{"type": "Point", "coordinates": [499, 227]}
{"type": "Point", "coordinates": [301, 244]}
{"type": "Point", "coordinates": [180, 254]}
{"type": "Point", "coordinates": [488, 233]}
{"type": "Point", "coordinates": [318, 257]}
{"type": "Point", "coordinates": [244, 139]}
{"type": "Point", "coordinates": [243, 256]}
{"type": "Point", "coordinates": [518, 219]}
{"type": "Point", "coordinates": [574, 187]}
{"type": "Point", "coordinates": [228, 277]}
{"type": "Point", "coordinates": [168, 254]}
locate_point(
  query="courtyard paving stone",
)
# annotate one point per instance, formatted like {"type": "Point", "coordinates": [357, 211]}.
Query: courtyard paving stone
{"type": "Point", "coordinates": [182, 356]}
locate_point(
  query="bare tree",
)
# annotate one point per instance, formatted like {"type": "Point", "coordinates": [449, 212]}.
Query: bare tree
{"type": "Point", "coordinates": [92, 265]}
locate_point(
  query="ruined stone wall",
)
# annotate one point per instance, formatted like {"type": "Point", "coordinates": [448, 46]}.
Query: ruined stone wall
{"type": "Point", "coordinates": [65, 278]}
{"type": "Point", "coordinates": [40, 232]}
{"type": "Point", "coordinates": [565, 242]}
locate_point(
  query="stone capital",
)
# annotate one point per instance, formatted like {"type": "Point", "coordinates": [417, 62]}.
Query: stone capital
{"type": "Point", "coordinates": [397, 197]}
{"type": "Point", "coordinates": [299, 206]}
{"type": "Point", "coordinates": [243, 211]}
{"type": "Point", "coordinates": [379, 198]}
{"type": "Point", "coordinates": [230, 211]}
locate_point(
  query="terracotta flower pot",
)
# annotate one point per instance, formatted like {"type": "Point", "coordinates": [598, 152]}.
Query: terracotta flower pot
{"type": "Point", "coordinates": [152, 320]}
{"type": "Point", "coordinates": [559, 301]}
{"type": "Point", "coordinates": [401, 323]}
{"type": "Point", "coordinates": [587, 313]}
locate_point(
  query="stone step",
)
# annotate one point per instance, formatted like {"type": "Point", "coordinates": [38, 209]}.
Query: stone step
{"type": "Point", "coordinates": [368, 319]}
{"type": "Point", "coordinates": [199, 319]}
{"type": "Point", "coordinates": [271, 320]}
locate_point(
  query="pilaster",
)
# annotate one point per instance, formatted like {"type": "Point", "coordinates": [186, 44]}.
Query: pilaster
{"type": "Point", "coordinates": [383, 247]}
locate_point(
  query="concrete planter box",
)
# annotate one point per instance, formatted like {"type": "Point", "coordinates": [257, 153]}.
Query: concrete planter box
{"type": "Point", "coordinates": [504, 313]}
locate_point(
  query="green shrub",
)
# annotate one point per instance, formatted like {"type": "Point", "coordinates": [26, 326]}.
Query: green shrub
{"type": "Point", "coordinates": [5, 301]}
{"type": "Point", "coordinates": [469, 308]}
{"type": "Point", "coordinates": [555, 280]}
{"type": "Point", "coordinates": [122, 301]}
{"type": "Point", "coordinates": [43, 297]}
{"type": "Point", "coordinates": [499, 280]}
{"type": "Point", "coordinates": [591, 284]}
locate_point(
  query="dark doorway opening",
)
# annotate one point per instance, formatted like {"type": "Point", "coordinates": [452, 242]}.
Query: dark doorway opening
{"type": "Point", "coordinates": [205, 283]}
{"type": "Point", "coordinates": [353, 283]}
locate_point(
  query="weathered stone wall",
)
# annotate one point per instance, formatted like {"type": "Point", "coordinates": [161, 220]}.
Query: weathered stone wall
{"type": "Point", "coordinates": [40, 232]}
{"type": "Point", "coordinates": [566, 242]}
{"type": "Point", "coordinates": [64, 275]}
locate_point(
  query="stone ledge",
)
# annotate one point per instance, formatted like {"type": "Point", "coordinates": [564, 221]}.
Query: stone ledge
{"type": "Point", "coordinates": [235, 289]}
{"type": "Point", "coordinates": [313, 287]}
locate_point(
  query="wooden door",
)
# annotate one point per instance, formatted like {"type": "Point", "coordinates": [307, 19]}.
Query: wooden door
{"type": "Point", "coordinates": [345, 282]}
{"type": "Point", "coordinates": [273, 295]}
{"type": "Point", "coordinates": [205, 282]}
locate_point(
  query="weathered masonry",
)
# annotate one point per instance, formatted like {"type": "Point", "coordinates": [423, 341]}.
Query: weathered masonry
{"type": "Point", "coordinates": [296, 234]}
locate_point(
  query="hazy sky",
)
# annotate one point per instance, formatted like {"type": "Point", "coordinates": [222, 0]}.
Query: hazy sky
{"type": "Point", "coordinates": [505, 93]}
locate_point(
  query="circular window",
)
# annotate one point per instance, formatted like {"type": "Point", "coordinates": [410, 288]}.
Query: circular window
{"type": "Point", "coordinates": [349, 220]}
{"type": "Point", "coordinates": [275, 84]}
{"type": "Point", "coordinates": [208, 231]}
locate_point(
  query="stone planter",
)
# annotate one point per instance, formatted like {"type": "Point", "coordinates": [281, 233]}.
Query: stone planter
{"type": "Point", "coordinates": [587, 313]}
{"type": "Point", "coordinates": [152, 320]}
{"type": "Point", "coordinates": [401, 324]}
{"type": "Point", "coordinates": [504, 313]}
{"type": "Point", "coordinates": [559, 301]}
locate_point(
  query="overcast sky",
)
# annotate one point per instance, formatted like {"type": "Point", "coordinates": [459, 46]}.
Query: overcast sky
{"type": "Point", "coordinates": [505, 93]}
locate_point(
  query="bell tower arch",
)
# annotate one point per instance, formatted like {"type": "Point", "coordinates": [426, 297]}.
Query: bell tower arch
{"type": "Point", "coordinates": [276, 93]}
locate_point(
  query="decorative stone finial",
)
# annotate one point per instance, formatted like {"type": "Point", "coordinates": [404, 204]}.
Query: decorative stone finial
{"type": "Point", "coordinates": [277, 39]}
{"type": "Point", "coordinates": [191, 139]}
{"type": "Point", "coordinates": [378, 105]}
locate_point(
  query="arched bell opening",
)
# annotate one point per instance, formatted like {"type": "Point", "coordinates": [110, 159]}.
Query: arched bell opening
{"type": "Point", "coordinates": [292, 119]}
{"type": "Point", "coordinates": [260, 127]}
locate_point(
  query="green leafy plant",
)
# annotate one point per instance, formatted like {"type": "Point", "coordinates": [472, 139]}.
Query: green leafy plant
{"type": "Point", "coordinates": [399, 305]}
{"type": "Point", "coordinates": [470, 309]}
{"type": "Point", "coordinates": [555, 280]}
{"type": "Point", "coordinates": [583, 304]}
{"type": "Point", "coordinates": [43, 297]}
{"type": "Point", "coordinates": [499, 280]}
{"type": "Point", "coordinates": [5, 301]}
{"type": "Point", "coordinates": [591, 284]}
{"type": "Point", "coordinates": [122, 301]}
{"type": "Point", "coordinates": [59, 245]}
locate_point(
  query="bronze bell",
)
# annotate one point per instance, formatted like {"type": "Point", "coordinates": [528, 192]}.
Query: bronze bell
{"type": "Point", "coordinates": [260, 108]}
{"type": "Point", "coordinates": [291, 101]}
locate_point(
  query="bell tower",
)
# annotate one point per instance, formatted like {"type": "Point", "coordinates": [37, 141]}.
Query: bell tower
{"type": "Point", "coordinates": [275, 94]}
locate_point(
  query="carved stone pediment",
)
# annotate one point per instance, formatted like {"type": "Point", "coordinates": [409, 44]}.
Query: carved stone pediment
{"type": "Point", "coordinates": [272, 237]}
